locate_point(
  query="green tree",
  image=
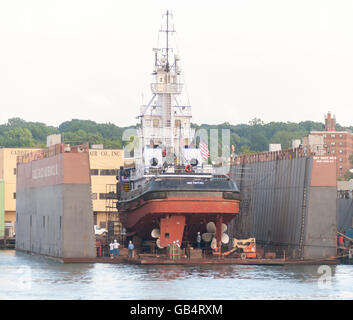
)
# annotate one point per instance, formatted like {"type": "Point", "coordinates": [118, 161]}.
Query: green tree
{"type": "Point", "coordinates": [348, 175]}
{"type": "Point", "coordinates": [245, 150]}
{"type": "Point", "coordinates": [18, 137]}
{"type": "Point", "coordinates": [256, 122]}
{"type": "Point", "coordinates": [285, 138]}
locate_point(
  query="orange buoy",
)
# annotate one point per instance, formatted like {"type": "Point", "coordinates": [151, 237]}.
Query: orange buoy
{"type": "Point", "coordinates": [188, 168]}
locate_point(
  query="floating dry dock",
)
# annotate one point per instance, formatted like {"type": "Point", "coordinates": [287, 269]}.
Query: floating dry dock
{"type": "Point", "coordinates": [51, 221]}
{"type": "Point", "coordinates": [55, 219]}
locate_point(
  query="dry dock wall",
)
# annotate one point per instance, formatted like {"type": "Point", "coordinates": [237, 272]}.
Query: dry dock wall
{"type": "Point", "coordinates": [288, 205]}
{"type": "Point", "coordinates": [54, 211]}
{"type": "Point", "coordinates": [344, 214]}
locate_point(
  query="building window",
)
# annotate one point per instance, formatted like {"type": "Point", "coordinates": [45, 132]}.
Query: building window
{"type": "Point", "coordinates": [333, 143]}
{"type": "Point", "coordinates": [341, 159]}
{"type": "Point", "coordinates": [102, 224]}
{"type": "Point", "coordinates": [109, 172]}
{"type": "Point", "coordinates": [340, 143]}
{"type": "Point", "coordinates": [340, 136]}
{"type": "Point", "coordinates": [43, 221]}
{"type": "Point", "coordinates": [178, 123]}
{"type": "Point", "coordinates": [147, 123]}
{"type": "Point", "coordinates": [333, 151]}
{"type": "Point", "coordinates": [14, 195]}
{"type": "Point", "coordinates": [340, 167]}
{"type": "Point", "coordinates": [14, 171]}
{"type": "Point", "coordinates": [94, 172]}
{"type": "Point", "coordinates": [105, 196]}
{"type": "Point", "coordinates": [155, 123]}
{"type": "Point", "coordinates": [324, 135]}
{"type": "Point", "coordinates": [333, 136]}
{"type": "Point", "coordinates": [340, 151]}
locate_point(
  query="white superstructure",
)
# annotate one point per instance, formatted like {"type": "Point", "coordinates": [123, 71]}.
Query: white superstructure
{"type": "Point", "coordinates": [165, 131]}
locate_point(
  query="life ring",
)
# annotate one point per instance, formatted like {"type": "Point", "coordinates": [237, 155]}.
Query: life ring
{"type": "Point", "coordinates": [188, 168]}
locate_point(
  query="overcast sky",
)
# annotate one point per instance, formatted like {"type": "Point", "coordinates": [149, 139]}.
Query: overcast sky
{"type": "Point", "coordinates": [274, 60]}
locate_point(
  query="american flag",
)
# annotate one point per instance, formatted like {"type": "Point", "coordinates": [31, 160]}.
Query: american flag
{"type": "Point", "coordinates": [204, 150]}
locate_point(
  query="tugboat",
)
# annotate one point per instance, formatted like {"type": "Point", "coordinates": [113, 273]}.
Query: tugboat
{"type": "Point", "coordinates": [167, 190]}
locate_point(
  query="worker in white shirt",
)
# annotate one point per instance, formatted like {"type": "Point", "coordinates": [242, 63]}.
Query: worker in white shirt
{"type": "Point", "coordinates": [111, 251]}
{"type": "Point", "coordinates": [116, 245]}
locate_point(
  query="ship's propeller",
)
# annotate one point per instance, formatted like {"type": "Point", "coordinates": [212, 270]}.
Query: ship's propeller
{"type": "Point", "coordinates": [155, 234]}
{"type": "Point", "coordinates": [210, 235]}
{"type": "Point", "coordinates": [214, 243]}
{"type": "Point", "coordinates": [158, 243]}
{"type": "Point", "coordinates": [211, 227]}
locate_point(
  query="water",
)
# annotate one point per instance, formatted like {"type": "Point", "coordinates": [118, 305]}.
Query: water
{"type": "Point", "coordinates": [24, 276]}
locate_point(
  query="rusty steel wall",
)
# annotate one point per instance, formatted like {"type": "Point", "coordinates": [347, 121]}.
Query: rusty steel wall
{"type": "Point", "coordinates": [274, 194]}
{"type": "Point", "coordinates": [279, 206]}
{"type": "Point", "coordinates": [344, 214]}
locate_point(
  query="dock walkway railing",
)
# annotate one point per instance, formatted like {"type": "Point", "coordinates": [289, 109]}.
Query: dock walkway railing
{"type": "Point", "coordinates": [271, 156]}
{"type": "Point", "coordinates": [51, 152]}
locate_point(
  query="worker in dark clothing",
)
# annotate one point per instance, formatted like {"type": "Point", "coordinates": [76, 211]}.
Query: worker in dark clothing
{"type": "Point", "coordinates": [198, 240]}
{"type": "Point", "coordinates": [131, 248]}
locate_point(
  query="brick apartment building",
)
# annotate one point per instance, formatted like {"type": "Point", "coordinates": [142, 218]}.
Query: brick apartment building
{"type": "Point", "coordinates": [332, 143]}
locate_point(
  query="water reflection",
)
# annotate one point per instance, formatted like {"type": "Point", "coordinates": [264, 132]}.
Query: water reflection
{"type": "Point", "coordinates": [24, 276]}
{"type": "Point", "coordinates": [291, 272]}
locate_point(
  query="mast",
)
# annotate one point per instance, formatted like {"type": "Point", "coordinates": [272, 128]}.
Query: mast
{"type": "Point", "coordinates": [165, 97]}
{"type": "Point", "coordinates": [167, 48]}
{"type": "Point", "coordinates": [167, 31]}
{"type": "Point", "coordinates": [165, 125]}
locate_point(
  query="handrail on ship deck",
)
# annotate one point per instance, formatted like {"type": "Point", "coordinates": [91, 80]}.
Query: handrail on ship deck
{"type": "Point", "coordinates": [52, 151]}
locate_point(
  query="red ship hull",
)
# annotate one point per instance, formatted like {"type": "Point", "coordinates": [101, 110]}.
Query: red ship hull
{"type": "Point", "coordinates": [178, 217]}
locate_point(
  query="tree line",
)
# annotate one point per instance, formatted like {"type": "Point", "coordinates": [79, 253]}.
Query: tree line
{"type": "Point", "coordinates": [18, 133]}
{"type": "Point", "coordinates": [246, 138]}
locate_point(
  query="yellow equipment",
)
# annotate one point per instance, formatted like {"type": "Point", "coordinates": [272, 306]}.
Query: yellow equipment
{"type": "Point", "coordinates": [247, 245]}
